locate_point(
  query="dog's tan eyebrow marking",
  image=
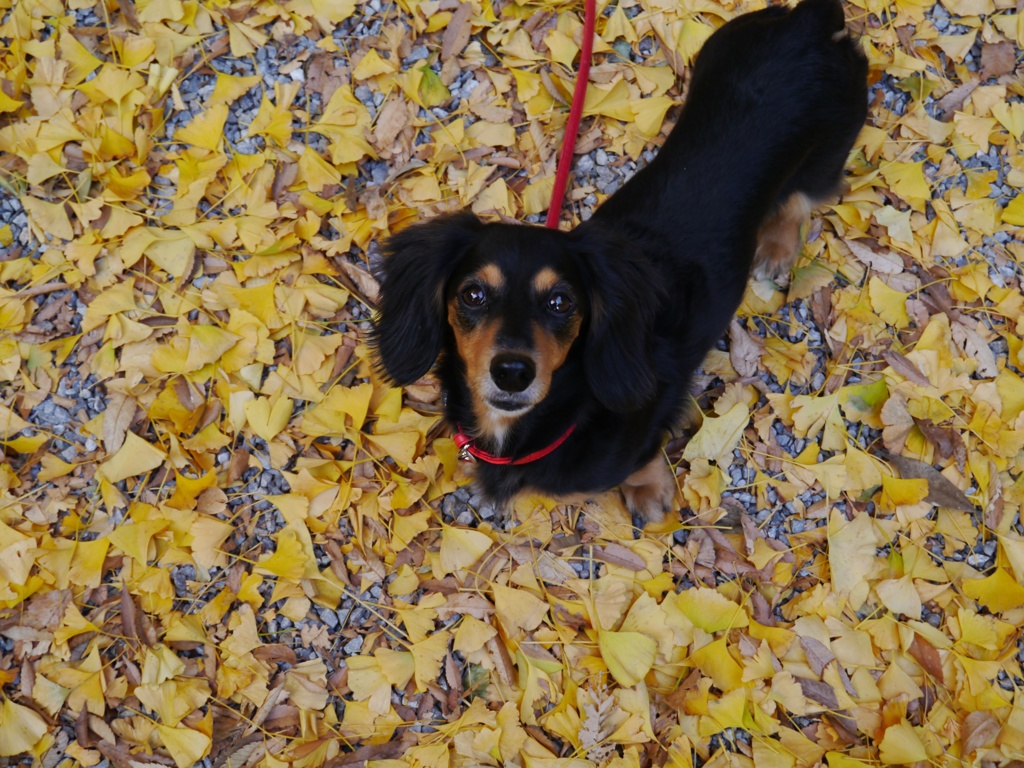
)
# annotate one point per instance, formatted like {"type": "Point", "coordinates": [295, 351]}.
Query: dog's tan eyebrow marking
{"type": "Point", "coordinates": [492, 276]}
{"type": "Point", "coordinates": [545, 280]}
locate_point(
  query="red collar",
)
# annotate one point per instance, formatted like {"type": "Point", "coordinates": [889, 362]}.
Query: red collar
{"type": "Point", "coordinates": [469, 452]}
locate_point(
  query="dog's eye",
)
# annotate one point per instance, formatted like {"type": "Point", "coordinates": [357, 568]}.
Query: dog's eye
{"type": "Point", "coordinates": [559, 303]}
{"type": "Point", "coordinates": [473, 296]}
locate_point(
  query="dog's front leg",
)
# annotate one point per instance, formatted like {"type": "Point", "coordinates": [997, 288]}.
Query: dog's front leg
{"type": "Point", "coordinates": [651, 490]}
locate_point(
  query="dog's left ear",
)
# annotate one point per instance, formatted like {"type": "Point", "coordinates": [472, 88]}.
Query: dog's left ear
{"type": "Point", "coordinates": [418, 262]}
{"type": "Point", "coordinates": [623, 293]}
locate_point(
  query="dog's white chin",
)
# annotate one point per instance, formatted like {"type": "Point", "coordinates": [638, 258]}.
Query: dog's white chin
{"type": "Point", "coordinates": [505, 406]}
{"type": "Point", "coordinates": [507, 410]}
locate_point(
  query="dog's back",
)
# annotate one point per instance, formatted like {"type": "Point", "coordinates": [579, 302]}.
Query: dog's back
{"type": "Point", "coordinates": [767, 88]}
{"type": "Point", "coordinates": [775, 75]}
{"type": "Point", "coordinates": [775, 102]}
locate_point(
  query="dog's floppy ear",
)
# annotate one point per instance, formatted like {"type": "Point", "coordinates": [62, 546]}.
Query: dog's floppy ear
{"type": "Point", "coordinates": [418, 261]}
{"type": "Point", "coordinates": [623, 293]}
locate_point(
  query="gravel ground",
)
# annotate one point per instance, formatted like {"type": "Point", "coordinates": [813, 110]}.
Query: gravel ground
{"type": "Point", "coordinates": [597, 172]}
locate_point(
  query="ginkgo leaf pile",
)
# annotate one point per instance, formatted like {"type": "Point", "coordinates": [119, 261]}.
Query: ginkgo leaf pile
{"type": "Point", "coordinates": [222, 540]}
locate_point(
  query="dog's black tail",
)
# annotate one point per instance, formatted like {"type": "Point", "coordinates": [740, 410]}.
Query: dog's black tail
{"type": "Point", "coordinates": [825, 14]}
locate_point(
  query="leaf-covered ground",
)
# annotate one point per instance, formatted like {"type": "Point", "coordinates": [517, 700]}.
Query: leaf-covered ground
{"type": "Point", "coordinates": [223, 542]}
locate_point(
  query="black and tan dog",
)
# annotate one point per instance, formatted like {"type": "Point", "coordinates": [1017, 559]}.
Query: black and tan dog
{"type": "Point", "coordinates": [566, 357]}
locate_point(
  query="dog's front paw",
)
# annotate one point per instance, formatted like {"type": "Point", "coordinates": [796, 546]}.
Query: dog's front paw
{"type": "Point", "coordinates": [651, 490]}
{"type": "Point", "coordinates": [780, 239]}
{"type": "Point", "coordinates": [773, 272]}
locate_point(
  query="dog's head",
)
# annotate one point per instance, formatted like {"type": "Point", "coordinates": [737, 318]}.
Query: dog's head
{"type": "Point", "coordinates": [517, 300]}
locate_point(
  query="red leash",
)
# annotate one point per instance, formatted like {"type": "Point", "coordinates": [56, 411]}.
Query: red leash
{"type": "Point", "coordinates": [468, 451]}
{"type": "Point", "coordinates": [572, 127]}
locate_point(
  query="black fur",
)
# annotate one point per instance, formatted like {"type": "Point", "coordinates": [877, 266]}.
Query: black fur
{"type": "Point", "coordinates": [419, 261]}
{"type": "Point", "coordinates": [776, 100]}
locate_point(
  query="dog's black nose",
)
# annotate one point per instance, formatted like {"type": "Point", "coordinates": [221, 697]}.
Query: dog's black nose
{"type": "Point", "coordinates": [512, 373]}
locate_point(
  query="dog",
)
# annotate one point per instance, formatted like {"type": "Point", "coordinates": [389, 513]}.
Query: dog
{"type": "Point", "coordinates": [566, 357]}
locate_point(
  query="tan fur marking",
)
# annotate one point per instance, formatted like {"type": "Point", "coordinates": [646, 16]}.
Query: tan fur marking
{"type": "Point", "coordinates": [779, 240]}
{"type": "Point", "coordinates": [651, 490]}
{"type": "Point", "coordinates": [491, 275]}
{"type": "Point", "coordinates": [544, 281]}
{"type": "Point", "coordinates": [476, 348]}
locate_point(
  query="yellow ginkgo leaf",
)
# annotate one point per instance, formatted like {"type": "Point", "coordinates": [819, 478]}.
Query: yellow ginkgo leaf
{"type": "Point", "coordinates": [10, 422]}
{"type": "Point", "coordinates": [267, 420]}
{"type": "Point", "coordinates": [518, 608]}
{"type": "Point", "coordinates": [897, 492]}
{"type": "Point", "coordinates": [48, 219]}
{"type": "Point", "coordinates": [851, 554]}
{"type": "Point", "coordinates": [650, 114]}
{"type": "Point", "coordinates": [231, 87]}
{"type": "Point", "coordinates": [628, 655]}
{"type": "Point", "coordinates": [288, 560]}
{"type": "Point", "coordinates": [901, 745]}
{"type": "Point", "coordinates": [7, 104]}
{"type": "Point", "coordinates": [427, 656]}
{"type": "Point", "coordinates": [889, 303]}
{"type": "Point", "coordinates": [20, 729]}
{"type": "Point", "coordinates": [908, 181]}
{"type": "Point", "coordinates": [472, 634]}
{"type": "Point", "coordinates": [368, 682]}
{"type": "Point", "coordinates": [186, 746]}
{"type": "Point", "coordinates": [998, 592]}
{"type": "Point", "coordinates": [329, 13]}
{"type": "Point", "coordinates": [431, 91]}
{"type": "Point", "coordinates": [718, 436]}
{"type": "Point", "coordinates": [316, 172]}
{"type": "Point", "coordinates": [1013, 213]}
{"type": "Point", "coordinates": [710, 610]}
{"type": "Point", "coordinates": [205, 130]}
{"type": "Point", "coordinates": [206, 345]}
{"type": "Point", "coordinates": [900, 596]}
{"type": "Point", "coordinates": [489, 134]}
{"type": "Point", "coordinates": [461, 547]}
{"type": "Point", "coordinates": [609, 101]}
{"type": "Point", "coordinates": [715, 661]}
{"type": "Point", "coordinates": [135, 457]}
{"type": "Point", "coordinates": [372, 65]}
{"type": "Point", "coordinates": [306, 684]}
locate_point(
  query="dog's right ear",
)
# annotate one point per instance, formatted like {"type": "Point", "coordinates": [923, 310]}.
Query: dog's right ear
{"type": "Point", "coordinates": [418, 262]}
{"type": "Point", "coordinates": [624, 292]}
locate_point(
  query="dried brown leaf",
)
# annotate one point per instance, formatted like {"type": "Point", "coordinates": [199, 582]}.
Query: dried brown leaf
{"type": "Point", "coordinates": [977, 349]}
{"type": "Point", "coordinates": [818, 656]}
{"type": "Point", "coordinates": [997, 59]}
{"type": "Point", "coordinates": [927, 656]}
{"type": "Point", "coordinates": [822, 693]}
{"type": "Point", "coordinates": [117, 418]}
{"type": "Point", "coordinates": [392, 119]}
{"type": "Point", "coordinates": [979, 730]}
{"type": "Point", "coordinates": [947, 441]}
{"type": "Point", "coordinates": [881, 260]}
{"type": "Point", "coordinates": [457, 32]}
{"type": "Point", "coordinates": [905, 368]}
{"type": "Point", "coordinates": [941, 491]}
{"type": "Point", "coordinates": [954, 100]}
{"type": "Point", "coordinates": [744, 350]}
{"type": "Point", "coordinates": [616, 554]}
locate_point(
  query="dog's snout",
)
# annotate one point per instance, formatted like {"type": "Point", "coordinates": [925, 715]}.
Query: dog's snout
{"type": "Point", "coordinates": [512, 373]}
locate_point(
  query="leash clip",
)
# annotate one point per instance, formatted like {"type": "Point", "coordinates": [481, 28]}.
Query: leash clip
{"type": "Point", "coordinates": [464, 443]}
